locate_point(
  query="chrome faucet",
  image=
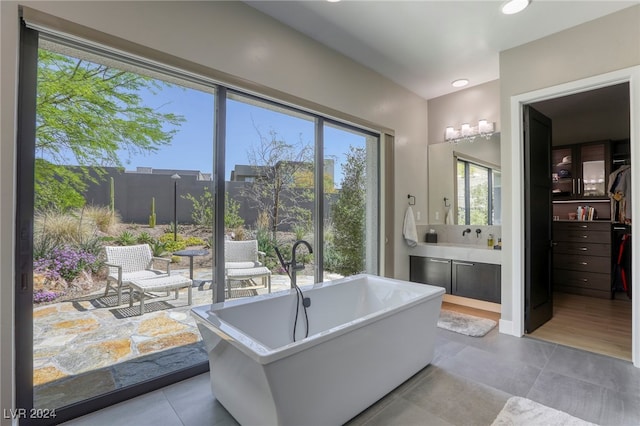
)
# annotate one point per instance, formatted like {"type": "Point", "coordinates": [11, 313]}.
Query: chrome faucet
{"type": "Point", "coordinates": [295, 266]}
{"type": "Point", "coordinates": [466, 231]}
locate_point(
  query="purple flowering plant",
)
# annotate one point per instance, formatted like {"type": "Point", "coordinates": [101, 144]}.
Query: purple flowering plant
{"type": "Point", "coordinates": [41, 296]}
{"type": "Point", "coordinates": [64, 262]}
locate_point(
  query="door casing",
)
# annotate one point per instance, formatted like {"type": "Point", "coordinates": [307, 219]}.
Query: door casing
{"type": "Point", "coordinates": [631, 75]}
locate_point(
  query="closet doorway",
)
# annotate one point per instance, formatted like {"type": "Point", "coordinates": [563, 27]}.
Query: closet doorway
{"type": "Point", "coordinates": [591, 247]}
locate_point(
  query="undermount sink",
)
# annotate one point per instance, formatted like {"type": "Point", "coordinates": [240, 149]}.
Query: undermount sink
{"type": "Point", "coordinates": [466, 252]}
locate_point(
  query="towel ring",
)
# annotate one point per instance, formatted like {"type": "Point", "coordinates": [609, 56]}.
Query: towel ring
{"type": "Point", "coordinates": [412, 200]}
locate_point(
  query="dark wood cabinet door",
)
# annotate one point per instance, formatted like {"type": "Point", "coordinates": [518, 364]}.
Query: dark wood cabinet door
{"type": "Point", "coordinates": [476, 280]}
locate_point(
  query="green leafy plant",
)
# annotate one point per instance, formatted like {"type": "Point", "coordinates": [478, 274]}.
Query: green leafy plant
{"type": "Point", "coordinates": [158, 248]}
{"type": "Point", "coordinates": [173, 246]}
{"type": "Point", "coordinates": [202, 211]}
{"type": "Point", "coordinates": [348, 214]}
{"type": "Point", "coordinates": [194, 241]}
{"type": "Point", "coordinates": [125, 238]}
{"type": "Point", "coordinates": [232, 218]}
{"type": "Point", "coordinates": [145, 238]}
{"type": "Point", "coordinates": [90, 112]}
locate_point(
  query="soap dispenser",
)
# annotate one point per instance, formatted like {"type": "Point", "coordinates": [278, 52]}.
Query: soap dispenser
{"type": "Point", "coordinates": [490, 241]}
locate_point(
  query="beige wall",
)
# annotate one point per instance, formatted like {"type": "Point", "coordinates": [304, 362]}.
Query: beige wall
{"type": "Point", "coordinates": [464, 106]}
{"type": "Point", "coordinates": [597, 47]}
{"type": "Point", "coordinates": [236, 39]}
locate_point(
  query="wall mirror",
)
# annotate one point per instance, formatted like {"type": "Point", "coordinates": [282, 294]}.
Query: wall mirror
{"type": "Point", "coordinates": [468, 175]}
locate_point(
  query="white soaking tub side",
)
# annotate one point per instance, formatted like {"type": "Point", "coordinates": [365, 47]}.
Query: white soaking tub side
{"type": "Point", "coordinates": [367, 335]}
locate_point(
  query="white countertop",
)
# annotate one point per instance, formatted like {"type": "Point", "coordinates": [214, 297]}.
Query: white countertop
{"type": "Point", "coordinates": [463, 252]}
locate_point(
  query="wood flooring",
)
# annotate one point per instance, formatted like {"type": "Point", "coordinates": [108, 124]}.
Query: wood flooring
{"type": "Point", "coordinates": [596, 325]}
{"type": "Point", "coordinates": [601, 326]}
{"type": "Point", "coordinates": [471, 311]}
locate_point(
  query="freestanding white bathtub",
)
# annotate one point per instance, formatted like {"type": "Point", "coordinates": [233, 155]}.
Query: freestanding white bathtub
{"type": "Point", "coordinates": [367, 335]}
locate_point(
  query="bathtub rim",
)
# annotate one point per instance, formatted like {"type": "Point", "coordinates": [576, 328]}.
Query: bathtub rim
{"type": "Point", "coordinates": [263, 354]}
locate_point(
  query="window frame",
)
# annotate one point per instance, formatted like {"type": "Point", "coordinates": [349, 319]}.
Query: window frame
{"type": "Point", "coordinates": [467, 162]}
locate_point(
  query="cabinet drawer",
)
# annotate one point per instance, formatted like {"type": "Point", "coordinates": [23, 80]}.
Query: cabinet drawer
{"type": "Point", "coordinates": [582, 249]}
{"type": "Point", "coordinates": [581, 236]}
{"type": "Point", "coordinates": [582, 263]}
{"type": "Point", "coordinates": [476, 280]}
{"type": "Point", "coordinates": [430, 270]}
{"type": "Point", "coordinates": [588, 280]}
{"type": "Point", "coordinates": [582, 226]}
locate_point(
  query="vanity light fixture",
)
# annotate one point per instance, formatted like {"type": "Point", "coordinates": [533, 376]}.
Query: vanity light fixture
{"type": "Point", "coordinates": [468, 133]}
{"type": "Point", "coordinates": [514, 6]}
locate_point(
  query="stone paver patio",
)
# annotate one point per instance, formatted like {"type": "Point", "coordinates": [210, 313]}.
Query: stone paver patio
{"type": "Point", "coordinates": [87, 347]}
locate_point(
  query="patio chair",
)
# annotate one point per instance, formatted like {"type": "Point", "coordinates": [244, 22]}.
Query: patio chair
{"type": "Point", "coordinates": [131, 263]}
{"type": "Point", "coordinates": [242, 263]}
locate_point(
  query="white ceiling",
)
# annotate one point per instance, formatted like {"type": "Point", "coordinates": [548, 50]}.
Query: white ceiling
{"type": "Point", "coordinates": [425, 45]}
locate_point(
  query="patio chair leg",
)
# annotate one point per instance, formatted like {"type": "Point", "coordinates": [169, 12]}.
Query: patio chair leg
{"type": "Point", "coordinates": [120, 295]}
{"type": "Point", "coordinates": [141, 303]}
{"type": "Point", "coordinates": [269, 282]}
{"type": "Point", "coordinates": [176, 293]}
{"type": "Point", "coordinates": [189, 292]}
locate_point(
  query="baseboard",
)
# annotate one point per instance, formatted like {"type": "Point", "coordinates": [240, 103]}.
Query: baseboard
{"type": "Point", "coordinates": [507, 327]}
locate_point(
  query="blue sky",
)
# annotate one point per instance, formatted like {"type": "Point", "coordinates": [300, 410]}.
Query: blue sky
{"type": "Point", "coordinates": [192, 146]}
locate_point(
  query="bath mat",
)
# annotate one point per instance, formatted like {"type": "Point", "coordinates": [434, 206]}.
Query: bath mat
{"type": "Point", "coordinates": [465, 324]}
{"type": "Point", "coordinates": [523, 411]}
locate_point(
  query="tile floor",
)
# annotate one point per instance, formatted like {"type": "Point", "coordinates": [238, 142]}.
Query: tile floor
{"type": "Point", "coordinates": [467, 383]}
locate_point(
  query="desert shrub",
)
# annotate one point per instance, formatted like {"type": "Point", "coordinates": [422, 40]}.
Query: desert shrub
{"type": "Point", "coordinates": [172, 246]}
{"type": "Point", "coordinates": [125, 238]}
{"type": "Point", "coordinates": [66, 263]}
{"type": "Point", "coordinates": [63, 227]}
{"type": "Point", "coordinates": [44, 244]}
{"type": "Point", "coordinates": [102, 217]}
{"type": "Point", "coordinates": [145, 238]}
{"type": "Point", "coordinates": [194, 241]}
{"type": "Point", "coordinates": [232, 218]}
{"type": "Point", "coordinates": [300, 231]}
{"type": "Point", "coordinates": [158, 248]}
{"type": "Point", "coordinates": [170, 227]}
{"type": "Point", "coordinates": [202, 211]}
{"type": "Point", "coordinates": [331, 255]}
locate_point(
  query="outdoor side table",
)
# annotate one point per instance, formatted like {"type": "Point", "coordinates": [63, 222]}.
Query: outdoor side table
{"type": "Point", "coordinates": [191, 254]}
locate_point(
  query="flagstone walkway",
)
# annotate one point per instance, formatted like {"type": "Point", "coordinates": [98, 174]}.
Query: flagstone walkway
{"type": "Point", "coordinates": [87, 347]}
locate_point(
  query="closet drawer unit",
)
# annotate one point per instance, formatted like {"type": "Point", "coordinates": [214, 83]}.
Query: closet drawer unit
{"type": "Point", "coordinates": [570, 262]}
{"type": "Point", "coordinates": [591, 284]}
{"type": "Point", "coordinates": [578, 225]}
{"type": "Point", "coordinates": [590, 280]}
{"type": "Point", "coordinates": [582, 249]}
{"type": "Point", "coordinates": [582, 236]}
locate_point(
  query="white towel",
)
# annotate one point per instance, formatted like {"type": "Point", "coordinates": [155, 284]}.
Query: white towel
{"type": "Point", "coordinates": [448, 219]}
{"type": "Point", "coordinates": [409, 230]}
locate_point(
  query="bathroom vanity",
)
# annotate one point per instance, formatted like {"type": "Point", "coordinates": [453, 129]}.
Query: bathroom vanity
{"type": "Point", "coordinates": [465, 271]}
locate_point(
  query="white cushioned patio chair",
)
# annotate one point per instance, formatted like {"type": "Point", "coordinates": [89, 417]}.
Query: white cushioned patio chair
{"type": "Point", "coordinates": [242, 263]}
{"type": "Point", "coordinates": [131, 263]}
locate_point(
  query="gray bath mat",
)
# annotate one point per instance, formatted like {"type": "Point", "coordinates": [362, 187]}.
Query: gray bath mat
{"type": "Point", "coordinates": [465, 324]}
{"type": "Point", "coordinates": [523, 411]}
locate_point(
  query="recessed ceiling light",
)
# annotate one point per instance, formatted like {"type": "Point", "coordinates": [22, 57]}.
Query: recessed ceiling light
{"type": "Point", "coordinates": [514, 6]}
{"type": "Point", "coordinates": [460, 82]}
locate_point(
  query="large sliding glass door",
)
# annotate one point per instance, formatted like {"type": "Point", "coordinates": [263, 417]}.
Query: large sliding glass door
{"type": "Point", "coordinates": [270, 177]}
{"type": "Point", "coordinates": [123, 155]}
